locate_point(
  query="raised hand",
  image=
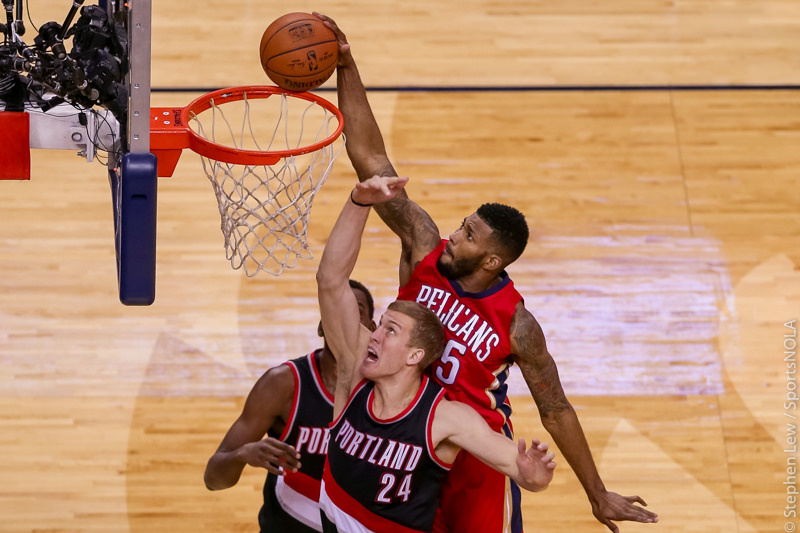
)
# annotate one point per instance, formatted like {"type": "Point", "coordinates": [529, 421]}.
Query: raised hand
{"type": "Point", "coordinates": [378, 189]}
{"type": "Point", "coordinates": [344, 48]}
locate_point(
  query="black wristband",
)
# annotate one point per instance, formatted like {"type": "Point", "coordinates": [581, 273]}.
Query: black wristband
{"type": "Point", "coordinates": [358, 203]}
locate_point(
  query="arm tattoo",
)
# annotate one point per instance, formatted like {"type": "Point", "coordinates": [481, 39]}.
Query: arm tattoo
{"type": "Point", "coordinates": [537, 365]}
{"type": "Point", "coordinates": [409, 222]}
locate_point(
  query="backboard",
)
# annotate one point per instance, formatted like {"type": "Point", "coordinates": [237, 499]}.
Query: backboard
{"type": "Point", "coordinates": [84, 84]}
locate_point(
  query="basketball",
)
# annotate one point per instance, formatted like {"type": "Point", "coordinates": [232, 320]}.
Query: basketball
{"type": "Point", "coordinates": [298, 52]}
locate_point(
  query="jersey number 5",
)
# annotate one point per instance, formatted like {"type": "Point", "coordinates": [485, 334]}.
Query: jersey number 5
{"type": "Point", "coordinates": [449, 364]}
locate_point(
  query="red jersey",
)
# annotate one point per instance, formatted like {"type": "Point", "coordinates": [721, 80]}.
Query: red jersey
{"type": "Point", "coordinates": [474, 366]}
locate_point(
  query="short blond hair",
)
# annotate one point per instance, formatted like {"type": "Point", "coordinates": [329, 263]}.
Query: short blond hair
{"type": "Point", "coordinates": [427, 333]}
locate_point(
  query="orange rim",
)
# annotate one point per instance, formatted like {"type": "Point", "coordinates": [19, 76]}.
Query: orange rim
{"type": "Point", "coordinates": [227, 154]}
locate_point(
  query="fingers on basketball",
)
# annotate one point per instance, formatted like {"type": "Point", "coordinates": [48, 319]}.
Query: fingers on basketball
{"type": "Point", "coordinates": [299, 52]}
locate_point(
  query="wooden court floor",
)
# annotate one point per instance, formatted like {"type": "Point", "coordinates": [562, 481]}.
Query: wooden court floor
{"type": "Point", "coordinates": [663, 263]}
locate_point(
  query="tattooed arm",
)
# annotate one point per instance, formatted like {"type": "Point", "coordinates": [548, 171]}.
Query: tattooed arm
{"type": "Point", "coordinates": [559, 419]}
{"type": "Point", "coordinates": [367, 152]}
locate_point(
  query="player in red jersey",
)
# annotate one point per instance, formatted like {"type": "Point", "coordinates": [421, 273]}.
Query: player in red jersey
{"type": "Point", "coordinates": [394, 436]}
{"type": "Point", "coordinates": [464, 282]}
{"type": "Point", "coordinates": [283, 428]}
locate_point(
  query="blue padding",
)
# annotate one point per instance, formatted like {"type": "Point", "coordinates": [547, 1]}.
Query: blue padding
{"type": "Point", "coordinates": [135, 192]}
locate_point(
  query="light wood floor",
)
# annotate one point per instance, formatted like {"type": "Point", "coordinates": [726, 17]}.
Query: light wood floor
{"type": "Point", "coordinates": [663, 264]}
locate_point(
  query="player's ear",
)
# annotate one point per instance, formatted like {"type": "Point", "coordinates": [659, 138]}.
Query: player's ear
{"type": "Point", "coordinates": [493, 262]}
{"type": "Point", "coordinates": [416, 357]}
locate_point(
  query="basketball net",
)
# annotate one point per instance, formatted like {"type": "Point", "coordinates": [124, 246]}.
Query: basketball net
{"type": "Point", "coordinates": [264, 209]}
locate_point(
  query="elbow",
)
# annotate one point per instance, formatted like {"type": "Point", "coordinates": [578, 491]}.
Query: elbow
{"type": "Point", "coordinates": [329, 288]}
{"type": "Point", "coordinates": [555, 418]}
{"type": "Point", "coordinates": [214, 481]}
{"type": "Point", "coordinates": [215, 484]}
{"type": "Point", "coordinates": [325, 280]}
{"type": "Point", "coordinates": [210, 485]}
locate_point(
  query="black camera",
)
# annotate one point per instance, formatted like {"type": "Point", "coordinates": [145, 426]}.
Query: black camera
{"type": "Point", "coordinates": [91, 73]}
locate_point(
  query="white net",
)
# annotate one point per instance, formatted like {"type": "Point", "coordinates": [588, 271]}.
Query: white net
{"type": "Point", "coordinates": [264, 209]}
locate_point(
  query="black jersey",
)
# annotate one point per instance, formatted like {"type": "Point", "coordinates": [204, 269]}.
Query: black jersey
{"type": "Point", "coordinates": [291, 501]}
{"type": "Point", "coordinates": [383, 475]}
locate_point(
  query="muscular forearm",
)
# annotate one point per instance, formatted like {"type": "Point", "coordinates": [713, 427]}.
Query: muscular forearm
{"type": "Point", "coordinates": [564, 427]}
{"type": "Point", "coordinates": [223, 470]}
{"type": "Point", "coordinates": [367, 153]}
{"type": "Point", "coordinates": [341, 251]}
{"type": "Point", "coordinates": [364, 142]}
{"type": "Point", "coordinates": [338, 306]}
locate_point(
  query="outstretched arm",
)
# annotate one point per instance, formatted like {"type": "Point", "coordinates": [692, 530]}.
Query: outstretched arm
{"type": "Point", "coordinates": [458, 426]}
{"type": "Point", "coordinates": [366, 149]}
{"type": "Point", "coordinates": [559, 419]}
{"type": "Point", "coordinates": [338, 306]}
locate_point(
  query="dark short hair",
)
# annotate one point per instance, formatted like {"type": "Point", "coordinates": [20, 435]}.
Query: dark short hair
{"type": "Point", "coordinates": [428, 332]}
{"type": "Point", "coordinates": [509, 229]}
{"type": "Point", "coordinates": [370, 302]}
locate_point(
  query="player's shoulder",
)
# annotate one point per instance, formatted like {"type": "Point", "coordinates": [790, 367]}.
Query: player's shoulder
{"type": "Point", "coordinates": [455, 422]}
{"type": "Point", "coordinates": [278, 380]}
{"type": "Point", "coordinates": [523, 320]}
{"type": "Point", "coordinates": [526, 335]}
{"type": "Point", "coordinates": [283, 371]}
{"type": "Point", "coordinates": [454, 411]}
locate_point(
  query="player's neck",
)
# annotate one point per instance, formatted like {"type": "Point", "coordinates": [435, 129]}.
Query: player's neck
{"type": "Point", "coordinates": [327, 369]}
{"type": "Point", "coordinates": [478, 281]}
{"type": "Point", "coordinates": [393, 394]}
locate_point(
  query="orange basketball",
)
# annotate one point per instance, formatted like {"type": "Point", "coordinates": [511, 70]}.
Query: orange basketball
{"type": "Point", "coordinates": [298, 52]}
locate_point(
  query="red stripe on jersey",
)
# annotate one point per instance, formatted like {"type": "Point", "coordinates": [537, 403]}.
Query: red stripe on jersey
{"type": "Point", "coordinates": [305, 485]}
{"type": "Point", "coordinates": [351, 507]}
{"type": "Point", "coordinates": [293, 412]}
{"type": "Point", "coordinates": [318, 378]}
{"type": "Point", "coordinates": [429, 428]}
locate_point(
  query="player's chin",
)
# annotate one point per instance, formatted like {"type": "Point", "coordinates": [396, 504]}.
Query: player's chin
{"type": "Point", "coordinates": [445, 265]}
{"type": "Point", "coordinates": [370, 368]}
